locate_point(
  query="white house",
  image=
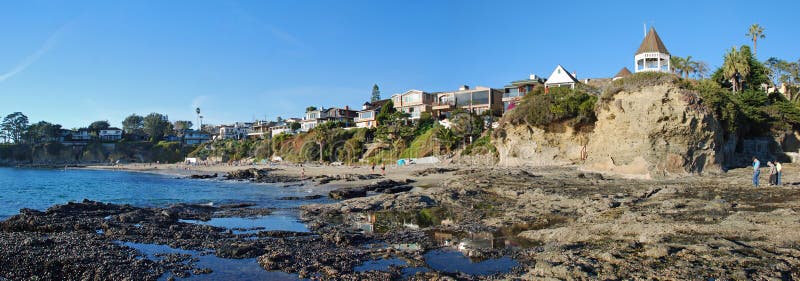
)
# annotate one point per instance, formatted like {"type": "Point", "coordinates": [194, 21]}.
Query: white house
{"type": "Point", "coordinates": [561, 78]}
{"type": "Point", "coordinates": [110, 134]}
{"type": "Point", "coordinates": [311, 119]}
{"type": "Point", "coordinates": [652, 55]}
{"type": "Point", "coordinates": [81, 135]}
{"type": "Point", "coordinates": [238, 130]}
{"type": "Point", "coordinates": [284, 127]}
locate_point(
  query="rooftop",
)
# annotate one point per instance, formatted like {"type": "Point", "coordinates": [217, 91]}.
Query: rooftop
{"type": "Point", "coordinates": [652, 44]}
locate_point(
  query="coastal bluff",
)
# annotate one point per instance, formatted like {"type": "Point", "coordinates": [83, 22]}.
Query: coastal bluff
{"type": "Point", "coordinates": [655, 131]}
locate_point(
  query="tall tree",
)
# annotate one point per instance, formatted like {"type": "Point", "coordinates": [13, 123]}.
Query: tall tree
{"type": "Point", "coordinates": [96, 126]}
{"type": "Point", "coordinates": [156, 126]}
{"type": "Point", "coordinates": [676, 63]}
{"type": "Point", "coordinates": [755, 32]}
{"type": "Point", "coordinates": [376, 93]}
{"type": "Point", "coordinates": [735, 68]}
{"type": "Point", "coordinates": [182, 125]}
{"type": "Point", "coordinates": [386, 110]}
{"type": "Point", "coordinates": [14, 126]}
{"type": "Point", "coordinates": [133, 125]}
{"type": "Point", "coordinates": [321, 135]}
{"type": "Point", "coordinates": [688, 66]}
{"type": "Point", "coordinates": [295, 126]}
{"type": "Point", "coordinates": [700, 69]}
{"type": "Point", "coordinates": [466, 125]}
{"type": "Point", "coordinates": [42, 132]}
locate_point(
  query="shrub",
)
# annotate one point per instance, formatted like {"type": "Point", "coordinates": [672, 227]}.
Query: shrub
{"type": "Point", "coordinates": [636, 82]}
{"type": "Point", "coordinates": [481, 146]}
{"type": "Point", "coordinates": [422, 146]}
{"type": "Point", "coordinates": [560, 104]}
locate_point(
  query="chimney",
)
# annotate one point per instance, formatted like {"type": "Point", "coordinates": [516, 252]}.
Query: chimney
{"type": "Point", "coordinates": [463, 88]}
{"type": "Point", "coordinates": [346, 107]}
{"type": "Point", "coordinates": [575, 74]}
{"type": "Point", "coordinates": [533, 77]}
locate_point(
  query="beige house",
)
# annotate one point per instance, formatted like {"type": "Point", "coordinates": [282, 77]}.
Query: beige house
{"type": "Point", "coordinates": [413, 102]}
{"type": "Point", "coordinates": [367, 115]}
{"type": "Point", "coordinates": [478, 101]}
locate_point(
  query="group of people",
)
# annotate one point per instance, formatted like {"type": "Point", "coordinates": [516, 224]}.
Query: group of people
{"type": "Point", "coordinates": [775, 169]}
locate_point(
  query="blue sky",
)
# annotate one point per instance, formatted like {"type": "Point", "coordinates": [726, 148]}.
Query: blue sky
{"type": "Point", "coordinates": [73, 62]}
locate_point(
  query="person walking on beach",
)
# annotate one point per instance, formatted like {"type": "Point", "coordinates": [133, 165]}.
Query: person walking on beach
{"type": "Point", "coordinates": [772, 173]}
{"type": "Point", "coordinates": [756, 171]}
{"type": "Point", "coordinates": [373, 167]}
{"type": "Point", "coordinates": [383, 169]}
{"type": "Point", "coordinates": [779, 168]}
{"type": "Point", "coordinates": [302, 172]}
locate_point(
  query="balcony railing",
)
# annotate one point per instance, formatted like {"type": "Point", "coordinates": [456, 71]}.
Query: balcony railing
{"type": "Point", "coordinates": [444, 105]}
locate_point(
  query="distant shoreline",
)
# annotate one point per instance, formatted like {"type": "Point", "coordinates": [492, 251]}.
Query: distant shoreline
{"type": "Point", "coordinates": [307, 171]}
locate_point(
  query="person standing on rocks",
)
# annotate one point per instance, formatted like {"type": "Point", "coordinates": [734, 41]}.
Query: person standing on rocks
{"type": "Point", "coordinates": [779, 168]}
{"type": "Point", "coordinates": [383, 169]}
{"type": "Point", "coordinates": [756, 171]}
{"type": "Point", "coordinates": [772, 173]}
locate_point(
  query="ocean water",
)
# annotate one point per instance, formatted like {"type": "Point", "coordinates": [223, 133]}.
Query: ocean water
{"type": "Point", "coordinates": [42, 188]}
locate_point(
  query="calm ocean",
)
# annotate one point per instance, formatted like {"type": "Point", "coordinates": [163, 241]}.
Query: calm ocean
{"type": "Point", "coordinates": [42, 188]}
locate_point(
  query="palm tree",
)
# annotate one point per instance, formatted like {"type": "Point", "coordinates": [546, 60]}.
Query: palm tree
{"type": "Point", "coordinates": [321, 136]}
{"type": "Point", "coordinates": [676, 63]}
{"type": "Point", "coordinates": [735, 68]}
{"type": "Point", "coordinates": [755, 32]}
{"type": "Point", "coordinates": [688, 66]}
{"type": "Point", "coordinates": [199, 118]}
{"type": "Point", "coordinates": [700, 69]}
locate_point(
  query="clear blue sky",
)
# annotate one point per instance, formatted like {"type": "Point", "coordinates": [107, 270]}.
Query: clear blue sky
{"type": "Point", "coordinates": [73, 62]}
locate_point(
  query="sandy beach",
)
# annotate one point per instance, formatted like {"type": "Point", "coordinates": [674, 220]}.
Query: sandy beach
{"type": "Point", "coordinates": [393, 172]}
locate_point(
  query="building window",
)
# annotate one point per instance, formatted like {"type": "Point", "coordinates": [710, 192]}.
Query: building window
{"type": "Point", "coordinates": [463, 99]}
{"type": "Point", "coordinates": [411, 98]}
{"type": "Point", "coordinates": [481, 97]}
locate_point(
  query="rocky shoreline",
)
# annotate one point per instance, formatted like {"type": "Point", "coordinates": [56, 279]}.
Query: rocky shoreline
{"type": "Point", "coordinates": [473, 224]}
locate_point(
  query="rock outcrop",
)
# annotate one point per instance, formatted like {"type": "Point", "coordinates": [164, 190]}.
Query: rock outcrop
{"type": "Point", "coordinates": [654, 132]}
{"type": "Point", "coordinates": [532, 146]}
{"type": "Point", "coordinates": [657, 131]}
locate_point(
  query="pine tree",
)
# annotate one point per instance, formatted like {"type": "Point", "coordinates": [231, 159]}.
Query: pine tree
{"type": "Point", "coordinates": [376, 93]}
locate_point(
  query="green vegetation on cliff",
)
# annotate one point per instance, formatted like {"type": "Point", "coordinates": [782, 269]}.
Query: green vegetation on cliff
{"type": "Point", "coordinates": [560, 104]}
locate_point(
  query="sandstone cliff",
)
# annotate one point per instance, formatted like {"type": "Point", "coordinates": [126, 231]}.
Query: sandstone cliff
{"type": "Point", "coordinates": [532, 146]}
{"type": "Point", "coordinates": [656, 131]}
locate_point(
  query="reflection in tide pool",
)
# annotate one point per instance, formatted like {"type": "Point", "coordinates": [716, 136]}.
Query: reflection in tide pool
{"type": "Point", "coordinates": [281, 220]}
{"type": "Point", "coordinates": [222, 269]}
{"type": "Point", "coordinates": [452, 261]}
{"type": "Point", "coordinates": [462, 251]}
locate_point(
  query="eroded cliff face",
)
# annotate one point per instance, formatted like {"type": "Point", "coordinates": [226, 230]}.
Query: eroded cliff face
{"type": "Point", "coordinates": [655, 132]}
{"type": "Point", "coordinates": [532, 146]}
{"type": "Point", "coordinates": [658, 131]}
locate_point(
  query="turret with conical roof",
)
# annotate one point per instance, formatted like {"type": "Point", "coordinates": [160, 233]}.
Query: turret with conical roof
{"type": "Point", "coordinates": [652, 54]}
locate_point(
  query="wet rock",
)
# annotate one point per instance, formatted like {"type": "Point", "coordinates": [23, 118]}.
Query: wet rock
{"type": "Point", "coordinates": [239, 250]}
{"type": "Point", "coordinates": [261, 175]}
{"type": "Point", "coordinates": [213, 176]}
{"type": "Point", "coordinates": [308, 197]}
{"type": "Point", "coordinates": [384, 186]}
{"type": "Point", "coordinates": [347, 193]}
{"type": "Point", "coordinates": [435, 170]}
